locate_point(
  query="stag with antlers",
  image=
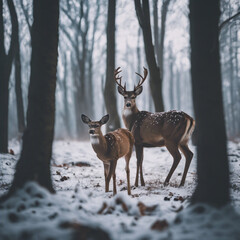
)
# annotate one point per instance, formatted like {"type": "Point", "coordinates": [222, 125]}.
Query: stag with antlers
{"type": "Point", "coordinates": [172, 129]}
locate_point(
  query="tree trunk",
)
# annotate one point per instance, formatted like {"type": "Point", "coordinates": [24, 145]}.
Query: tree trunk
{"type": "Point", "coordinates": [178, 89]}
{"type": "Point", "coordinates": [142, 11]}
{"type": "Point", "coordinates": [3, 89]}
{"type": "Point", "coordinates": [110, 86]}
{"type": "Point", "coordinates": [90, 63]}
{"type": "Point", "coordinates": [139, 62]}
{"type": "Point", "coordinates": [212, 163]}
{"type": "Point", "coordinates": [34, 163]}
{"type": "Point", "coordinates": [171, 78]}
{"type": "Point", "coordinates": [156, 31]}
{"type": "Point", "coordinates": [232, 129]}
{"type": "Point", "coordinates": [5, 71]}
{"type": "Point", "coordinates": [164, 12]}
{"type": "Point", "coordinates": [65, 97]}
{"type": "Point", "coordinates": [18, 86]}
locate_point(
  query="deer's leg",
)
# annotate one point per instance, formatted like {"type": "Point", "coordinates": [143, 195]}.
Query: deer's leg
{"type": "Point", "coordinates": [173, 149]}
{"type": "Point", "coordinates": [114, 179]}
{"type": "Point", "coordinates": [110, 173]}
{"type": "Point", "coordinates": [139, 154]}
{"type": "Point", "coordinates": [188, 155]}
{"type": "Point", "coordinates": [127, 159]}
{"type": "Point", "coordinates": [141, 172]}
{"type": "Point", "coordinates": [106, 170]}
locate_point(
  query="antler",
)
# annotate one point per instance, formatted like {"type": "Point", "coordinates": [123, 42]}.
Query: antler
{"type": "Point", "coordinates": [118, 78]}
{"type": "Point", "coordinates": [141, 81]}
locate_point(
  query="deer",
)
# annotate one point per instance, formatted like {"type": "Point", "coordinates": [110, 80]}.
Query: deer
{"type": "Point", "coordinates": [171, 129]}
{"type": "Point", "coordinates": [109, 148]}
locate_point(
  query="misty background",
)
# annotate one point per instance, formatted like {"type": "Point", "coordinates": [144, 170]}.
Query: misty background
{"type": "Point", "coordinates": [82, 61]}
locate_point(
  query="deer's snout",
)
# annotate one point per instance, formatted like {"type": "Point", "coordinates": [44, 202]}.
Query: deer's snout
{"type": "Point", "coordinates": [91, 131]}
{"type": "Point", "coordinates": [128, 104]}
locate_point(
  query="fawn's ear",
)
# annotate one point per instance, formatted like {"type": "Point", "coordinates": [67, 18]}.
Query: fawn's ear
{"type": "Point", "coordinates": [121, 90]}
{"type": "Point", "coordinates": [85, 119]}
{"type": "Point", "coordinates": [104, 119]}
{"type": "Point", "coordinates": [138, 90]}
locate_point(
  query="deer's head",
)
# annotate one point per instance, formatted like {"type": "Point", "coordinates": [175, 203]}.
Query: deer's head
{"type": "Point", "coordinates": [130, 96]}
{"type": "Point", "coordinates": [94, 126]}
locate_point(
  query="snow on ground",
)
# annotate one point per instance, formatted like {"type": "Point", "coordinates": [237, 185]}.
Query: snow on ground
{"type": "Point", "coordinates": [81, 200]}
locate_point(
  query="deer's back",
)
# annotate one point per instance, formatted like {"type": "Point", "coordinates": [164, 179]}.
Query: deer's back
{"type": "Point", "coordinates": [154, 129]}
{"type": "Point", "coordinates": [120, 142]}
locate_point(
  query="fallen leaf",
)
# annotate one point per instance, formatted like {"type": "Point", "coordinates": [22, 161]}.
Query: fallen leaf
{"type": "Point", "coordinates": [64, 178]}
{"type": "Point", "coordinates": [123, 204]}
{"type": "Point", "coordinates": [166, 199]}
{"type": "Point", "coordinates": [101, 210]}
{"type": "Point", "coordinates": [11, 152]}
{"type": "Point", "coordinates": [146, 210]}
{"type": "Point", "coordinates": [160, 225]}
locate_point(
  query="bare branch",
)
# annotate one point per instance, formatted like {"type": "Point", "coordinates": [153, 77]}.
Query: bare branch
{"type": "Point", "coordinates": [225, 22]}
{"type": "Point", "coordinates": [67, 35]}
{"type": "Point", "coordinates": [26, 15]}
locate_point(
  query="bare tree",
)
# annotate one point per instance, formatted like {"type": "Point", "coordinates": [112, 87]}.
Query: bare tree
{"type": "Point", "coordinates": [34, 163]}
{"type": "Point", "coordinates": [90, 61]}
{"type": "Point", "coordinates": [109, 90]}
{"type": "Point", "coordinates": [212, 165]}
{"type": "Point", "coordinates": [18, 84]}
{"type": "Point", "coordinates": [159, 43]}
{"type": "Point", "coordinates": [78, 16]}
{"type": "Point", "coordinates": [142, 11]}
{"type": "Point", "coordinates": [6, 60]}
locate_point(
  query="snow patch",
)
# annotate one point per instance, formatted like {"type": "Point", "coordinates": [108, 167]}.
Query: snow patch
{"type": "Point", "coordinates": [34, 213]}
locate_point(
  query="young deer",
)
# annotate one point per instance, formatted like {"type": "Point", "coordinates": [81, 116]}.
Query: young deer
{"type": "Point", "coordinates": [109, 148]}
{"type": "Point", "coordinates": [171, 129]}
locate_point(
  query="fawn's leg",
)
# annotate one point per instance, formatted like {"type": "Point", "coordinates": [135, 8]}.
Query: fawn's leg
{"type": "Point", "coordinates": [127, 159]}
{"type": "Point", "coordinates": [110, 173]}
{"type": "Point", "coordinates": [114, 178]}
{"type": "Point", "coordinates": [106, 170]}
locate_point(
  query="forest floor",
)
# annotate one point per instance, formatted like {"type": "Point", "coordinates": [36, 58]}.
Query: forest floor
{"type": "Point", "coordinates": [153, 211]}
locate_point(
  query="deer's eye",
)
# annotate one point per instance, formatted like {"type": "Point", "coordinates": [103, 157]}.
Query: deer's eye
{"type": "Point", "coordinates": [125, 97]}
{"type": "Point", "coordinates": [132, 97]}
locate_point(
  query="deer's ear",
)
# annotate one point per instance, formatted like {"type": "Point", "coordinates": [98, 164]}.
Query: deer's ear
{"type": "Point", "coordinates": [138, 90]}
{"type": "Point", "coordinates": [85, 119]}
{"type": "Point", "coordinates": [104, 119]}
{"type": "Point", "coordinates": [121, 90]}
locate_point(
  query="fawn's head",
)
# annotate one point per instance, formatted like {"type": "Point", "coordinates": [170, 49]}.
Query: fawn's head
{"type": "Point", "coordinates": [94, 126]}
{"type": "Point", "coordinates": [130, 96]}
